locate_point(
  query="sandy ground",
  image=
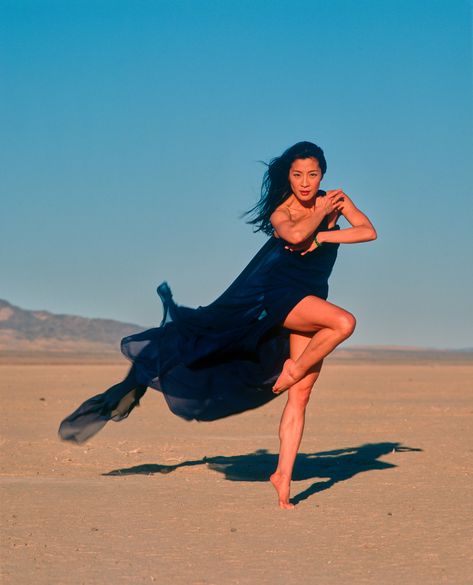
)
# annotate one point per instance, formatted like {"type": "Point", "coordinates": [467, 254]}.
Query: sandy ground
{"type": "Point", "coordinates": [382, 485]}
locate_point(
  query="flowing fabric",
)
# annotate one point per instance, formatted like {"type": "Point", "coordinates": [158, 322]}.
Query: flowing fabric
{"type": "Point", "coordinates": [217, 360]}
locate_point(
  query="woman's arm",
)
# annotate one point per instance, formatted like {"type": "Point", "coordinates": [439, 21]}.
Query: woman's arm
{"type": "Point", "coordinates": [297, 231]}
{"type": "Point", "coordinates": [362, 229]}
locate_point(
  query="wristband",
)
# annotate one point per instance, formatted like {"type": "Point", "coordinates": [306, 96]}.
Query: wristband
{"type": "Point", "coordinates": [317, 243]}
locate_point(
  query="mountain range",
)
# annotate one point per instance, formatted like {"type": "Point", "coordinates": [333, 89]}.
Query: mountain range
{"type": "Point", "coordinates": [25, 330]}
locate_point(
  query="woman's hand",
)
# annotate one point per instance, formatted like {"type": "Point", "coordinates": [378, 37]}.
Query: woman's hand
{"type": "Point", "coordinates": [302, 251]}
{"type": "Point", "coordinates": [313, 246]}
{"type": "Point", "coordinates": [330, 202]}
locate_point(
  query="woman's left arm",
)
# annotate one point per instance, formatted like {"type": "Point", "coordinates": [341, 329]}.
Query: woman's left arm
{"type": "Point", "coordinates": [362, 229]}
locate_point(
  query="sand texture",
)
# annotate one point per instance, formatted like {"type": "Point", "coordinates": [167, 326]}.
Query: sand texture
{"type": "Point", "coordinates": [383, 484]}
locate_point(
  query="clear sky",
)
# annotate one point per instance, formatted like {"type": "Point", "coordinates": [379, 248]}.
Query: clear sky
{"type": "Point", "coordinates": [131, 133]}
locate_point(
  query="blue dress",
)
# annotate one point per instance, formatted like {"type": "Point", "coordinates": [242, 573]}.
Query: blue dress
{"type": "Point", "coordinates": [216, 360]}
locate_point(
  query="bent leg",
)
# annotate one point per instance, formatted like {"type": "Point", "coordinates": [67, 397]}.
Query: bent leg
{"type": "Point", "coordinates": [330, 326]}
{"type": "Point", "coordinates": [292, 421]}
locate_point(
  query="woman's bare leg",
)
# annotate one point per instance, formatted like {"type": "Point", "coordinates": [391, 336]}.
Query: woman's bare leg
{"type": "Point", "coordinates": [330, 326]}
{"type": "Point", "coordinates": [292, 422]}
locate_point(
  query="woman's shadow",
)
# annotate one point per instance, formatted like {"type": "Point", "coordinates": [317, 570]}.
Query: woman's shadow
{"type": "Point", "coordinates": [331, 466]}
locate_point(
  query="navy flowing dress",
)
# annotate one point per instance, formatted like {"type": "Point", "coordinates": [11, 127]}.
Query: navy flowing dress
{"type": "Point", "coordinates": [216, 360]}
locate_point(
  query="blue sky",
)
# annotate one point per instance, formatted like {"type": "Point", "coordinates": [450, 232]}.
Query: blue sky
{"type": "Point", "coordinates": [132, 134]}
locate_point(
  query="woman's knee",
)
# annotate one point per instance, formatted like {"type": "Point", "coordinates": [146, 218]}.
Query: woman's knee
{"type": "Point", "coordinates": [346, 324]}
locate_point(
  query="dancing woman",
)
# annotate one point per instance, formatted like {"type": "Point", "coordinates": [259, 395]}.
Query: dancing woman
{"type": "Point", "coordinates": [267, 333]}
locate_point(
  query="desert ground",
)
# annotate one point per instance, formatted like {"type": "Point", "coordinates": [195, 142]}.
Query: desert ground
{"type": "Point", "coordinates": [382, 485]}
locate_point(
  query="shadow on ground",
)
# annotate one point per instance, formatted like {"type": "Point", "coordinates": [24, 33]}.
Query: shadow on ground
{"type": "Point", "coordinates": [331, 466]}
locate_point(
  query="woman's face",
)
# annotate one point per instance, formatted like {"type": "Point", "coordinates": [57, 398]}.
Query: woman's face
{"type": "Point", "coordinates": [304, 177]}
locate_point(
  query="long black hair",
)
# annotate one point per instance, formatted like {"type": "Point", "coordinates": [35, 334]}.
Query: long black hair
{"type": "Point", "coordinates": [276, 187]}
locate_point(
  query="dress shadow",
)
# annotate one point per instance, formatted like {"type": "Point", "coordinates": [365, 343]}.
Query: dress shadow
{"type": "Point", "coordinates": [330, 467]}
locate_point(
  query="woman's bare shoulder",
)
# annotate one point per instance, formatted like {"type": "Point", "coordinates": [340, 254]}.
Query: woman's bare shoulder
{"type": "Point", "coordinates": [286, 207]}
{"type": "Point", "coordinates": [283, 210]}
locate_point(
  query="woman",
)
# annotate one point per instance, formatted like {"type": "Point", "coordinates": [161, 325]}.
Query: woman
{"type": "Point", "coordinates": [267, 333]}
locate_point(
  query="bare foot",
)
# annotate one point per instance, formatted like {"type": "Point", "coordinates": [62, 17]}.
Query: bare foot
{"type": "Point", "coordinates": [282, 485]}
{"type": "Point", "coordinates": [287, 377]}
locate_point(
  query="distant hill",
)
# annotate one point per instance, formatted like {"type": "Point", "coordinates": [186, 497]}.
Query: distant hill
{"type": "Point", "coordinates": [400, 354]}
{"type": "Point", "coordinates": [23, 330]}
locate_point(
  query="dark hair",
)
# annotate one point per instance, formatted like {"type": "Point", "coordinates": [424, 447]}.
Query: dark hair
{"type": "Point", "coordinates": [276, 187]}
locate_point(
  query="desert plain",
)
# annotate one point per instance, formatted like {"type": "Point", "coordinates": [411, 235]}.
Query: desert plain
{"type": "Point", "coordinates": [382, 484]}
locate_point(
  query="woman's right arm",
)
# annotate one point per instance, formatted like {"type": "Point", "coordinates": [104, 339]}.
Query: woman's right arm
{"type": "Point", "coordinates": [295, 231]}
{"type": "Point", "coordinates": [298, 231]}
